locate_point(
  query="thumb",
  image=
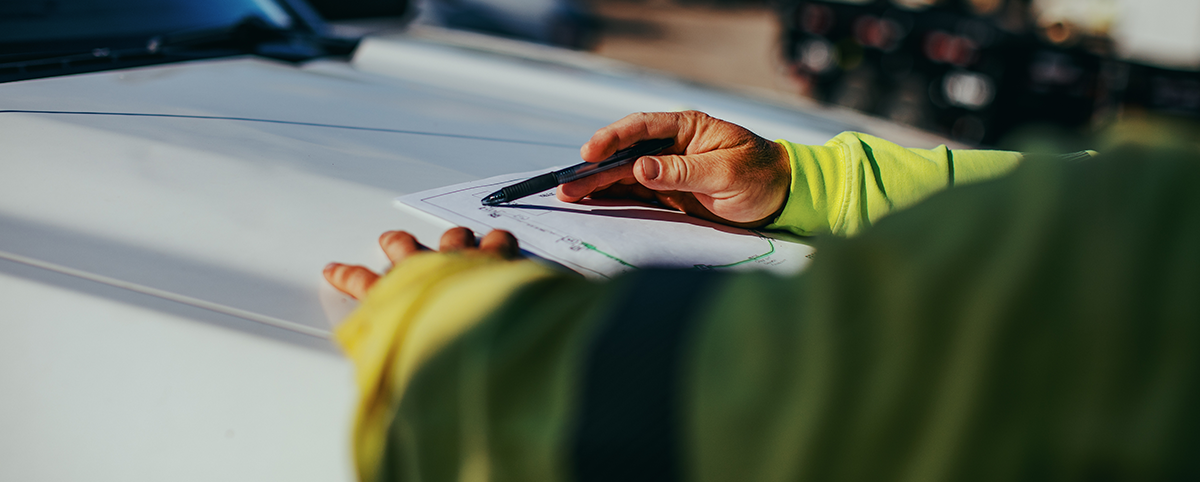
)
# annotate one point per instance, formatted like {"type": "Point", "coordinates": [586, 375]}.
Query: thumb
{"type": "Point", "coordinates": [701, 173]}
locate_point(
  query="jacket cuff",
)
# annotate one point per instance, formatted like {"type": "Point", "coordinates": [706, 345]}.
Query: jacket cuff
{"type": "Point", "coordinates": [807, 211]}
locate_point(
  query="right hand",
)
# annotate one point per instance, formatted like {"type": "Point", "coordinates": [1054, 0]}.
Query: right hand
{"type": "Point", "coordinates": [716, 170]}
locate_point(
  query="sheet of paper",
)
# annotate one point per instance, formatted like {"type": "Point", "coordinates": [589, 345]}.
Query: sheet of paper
{"type": "Point", "coordinates": [603, 238]}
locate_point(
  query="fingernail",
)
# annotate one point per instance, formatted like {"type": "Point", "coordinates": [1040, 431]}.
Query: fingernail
{"type": "Point", "coordinates": [328, 267]}
{"type": "Point", "coordinates": [651, 167]}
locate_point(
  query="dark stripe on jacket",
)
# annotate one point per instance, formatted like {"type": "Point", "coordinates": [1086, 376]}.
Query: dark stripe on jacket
{"type": "Point", "coordinates": [628, 425]}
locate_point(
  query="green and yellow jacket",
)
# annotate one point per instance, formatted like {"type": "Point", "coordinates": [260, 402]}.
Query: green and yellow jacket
{"type": "Point", "coordinates": [1043, 325]}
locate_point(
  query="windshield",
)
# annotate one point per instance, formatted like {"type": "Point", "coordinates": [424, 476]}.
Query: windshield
{"type": "Point", "coordinates": [26, 22]}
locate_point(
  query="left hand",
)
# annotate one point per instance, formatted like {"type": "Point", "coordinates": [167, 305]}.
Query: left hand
{"type": "Point", "coordinates": [399, 245]}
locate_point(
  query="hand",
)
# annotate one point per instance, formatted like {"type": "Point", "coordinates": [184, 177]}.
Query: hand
{"type": "Point", "coordinates": [399, 245]}
{"type": "Point", "coordinates": [716, 170]}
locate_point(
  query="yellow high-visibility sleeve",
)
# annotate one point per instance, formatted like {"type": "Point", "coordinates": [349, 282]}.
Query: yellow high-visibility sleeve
{"type": "Point", "coordinates": [408, 315]}
{"type": "Point", "coordinates": [855, 179]}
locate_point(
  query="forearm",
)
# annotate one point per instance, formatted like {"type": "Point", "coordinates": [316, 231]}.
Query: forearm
{"type": "Point", "coordinates": [855, 179]}
{"type": "Point", "coordinates": [424, 304]}
{"type": "Point", "coordinates": [566, 376]}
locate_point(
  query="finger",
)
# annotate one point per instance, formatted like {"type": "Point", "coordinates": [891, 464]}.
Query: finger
{"type": "Point", "coordinates": [500, 243]}
{"type": "Point", "coordinates": [626, 191]}
{"type": "Point", "coordinates": [352, 280]}
{"type": "Point", "coordinates": [575, 190]}
{"type": "Point", "coordinates": [455, 239]}
{"type": "Point", "coordinates": [639, 127]}
{"type": "Point", "coordinates": [398, 245]}
{"type": "Point", "coordinates": [687, 202]}
{"type": "Point", "coordinates": [692, 206]}
{"type": "Point", "coordinates": [706, 173]}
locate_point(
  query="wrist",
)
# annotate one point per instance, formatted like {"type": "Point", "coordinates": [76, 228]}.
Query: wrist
{"type": "Point", "coordinates": [778, 184]}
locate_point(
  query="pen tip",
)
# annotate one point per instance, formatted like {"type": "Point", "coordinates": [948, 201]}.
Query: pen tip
{"type": "Point", "coordinates": [491, 200]}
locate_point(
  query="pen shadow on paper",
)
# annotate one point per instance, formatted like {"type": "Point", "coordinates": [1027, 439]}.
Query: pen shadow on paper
{"type": "Point", "coordinates": [630, 209]}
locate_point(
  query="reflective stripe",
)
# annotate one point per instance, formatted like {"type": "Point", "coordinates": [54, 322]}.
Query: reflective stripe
{"type": "Point", "coordinates": [628, 424]}
{"type": "Point", "coordinates": [1076, 156]}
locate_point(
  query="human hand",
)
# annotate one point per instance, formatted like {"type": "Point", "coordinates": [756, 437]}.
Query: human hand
{"type": "Point", "coordinates": [399, 245]}
{"type": "Point", "coordinates": [716, 170]}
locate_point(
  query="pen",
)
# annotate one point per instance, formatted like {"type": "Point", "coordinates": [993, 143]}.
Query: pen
{"type": "Point", "coordinates": [550, 180]}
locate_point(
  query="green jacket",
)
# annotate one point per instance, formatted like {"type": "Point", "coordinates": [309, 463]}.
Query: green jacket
{"type": "Point", "coordinates": [1040, 326]}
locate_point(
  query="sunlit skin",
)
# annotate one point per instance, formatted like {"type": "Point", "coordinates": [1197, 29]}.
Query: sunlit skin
{"type": "Point", "coordinates": [716, 170]}
{"type": "Point", "coordinates": [399, 245]}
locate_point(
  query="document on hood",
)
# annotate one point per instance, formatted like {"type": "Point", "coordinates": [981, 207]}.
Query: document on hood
{"type": "Point", "coordinates": [602, 238]}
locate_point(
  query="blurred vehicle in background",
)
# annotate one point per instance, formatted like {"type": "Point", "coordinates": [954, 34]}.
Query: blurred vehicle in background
{"type": "Point", "coordinates": [951, 67]}
{"type": "Point", "coordinates": [334, 10]}
{"type": "Point", "coordinates": [562, 23]}
{"type": "Point", "coordinates": [974, 70]}
{"type": "Point", "coordinates": [44, 38]}
{"type": "Point", "coordinates": [1147, 88]}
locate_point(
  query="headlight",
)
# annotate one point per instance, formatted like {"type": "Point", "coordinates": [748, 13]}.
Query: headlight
{"type": "Point", "coordinates": [817, 55]}
{"type": "Point", "coordinates": [968, 89]}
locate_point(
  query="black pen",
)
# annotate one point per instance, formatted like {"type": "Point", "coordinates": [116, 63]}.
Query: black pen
{"type": "Point", "coordinates": [578, 171]}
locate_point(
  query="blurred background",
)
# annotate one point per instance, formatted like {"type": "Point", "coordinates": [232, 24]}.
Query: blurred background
{"type": "Point", "coordinates": [981, 72]}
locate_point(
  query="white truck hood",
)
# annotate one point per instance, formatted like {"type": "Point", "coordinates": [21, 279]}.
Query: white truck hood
{"type": "Point", "coordinates": [229, 184]}
{"type": "Point", "coordinates": [145, 212]}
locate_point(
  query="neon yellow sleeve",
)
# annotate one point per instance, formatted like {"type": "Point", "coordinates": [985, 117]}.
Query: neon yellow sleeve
{"type": "Point", "coordinates": [408, 316]}
{"type": "Point", "coordinates": [855, 179]}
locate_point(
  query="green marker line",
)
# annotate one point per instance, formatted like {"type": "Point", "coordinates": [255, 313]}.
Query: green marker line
{"type": "Point", "coordinates": [614, 258]}
{"type": "Point", "coordinates": [747, 260]}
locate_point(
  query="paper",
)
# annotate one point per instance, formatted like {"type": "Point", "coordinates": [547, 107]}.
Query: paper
{"type": "Point", "coordinates": [603, 238]}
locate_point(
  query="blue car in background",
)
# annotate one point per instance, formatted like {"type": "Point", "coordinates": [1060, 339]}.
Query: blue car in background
{"type": "Point", "coordinates": [563, 23]}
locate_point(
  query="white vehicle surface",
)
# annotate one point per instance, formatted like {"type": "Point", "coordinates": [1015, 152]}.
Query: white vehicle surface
{"type": "Point", "coordinates": [163, 228]}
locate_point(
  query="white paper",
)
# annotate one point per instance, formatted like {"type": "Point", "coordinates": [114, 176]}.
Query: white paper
{"type": "Point", "coordinates": [603, 238]}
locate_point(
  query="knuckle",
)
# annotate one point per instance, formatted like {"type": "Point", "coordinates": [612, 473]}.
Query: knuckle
{"type": "Point", "coordinates": [499, 242]}
{"type": "Point", "coordinates": [350, 275]}
{"type": "Point", "coordinates": [457, 237]}
{"type": "Point", "coordinates": [358, 273]}
{"type": "Point", "coordinates": [392, 238]}
{"type": "Point", "coordinates": [354, 274]}
{"type": "Point", "coordinates": [339, 273]}
{"type": "Point", "coordinates": [676, 170]}
{"type": "Point", "coordinates": [696, 117]}
{"type": "Point", "coordinates": [636, 118]}
{"type": "Point", "coordinates": [493, 236]}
